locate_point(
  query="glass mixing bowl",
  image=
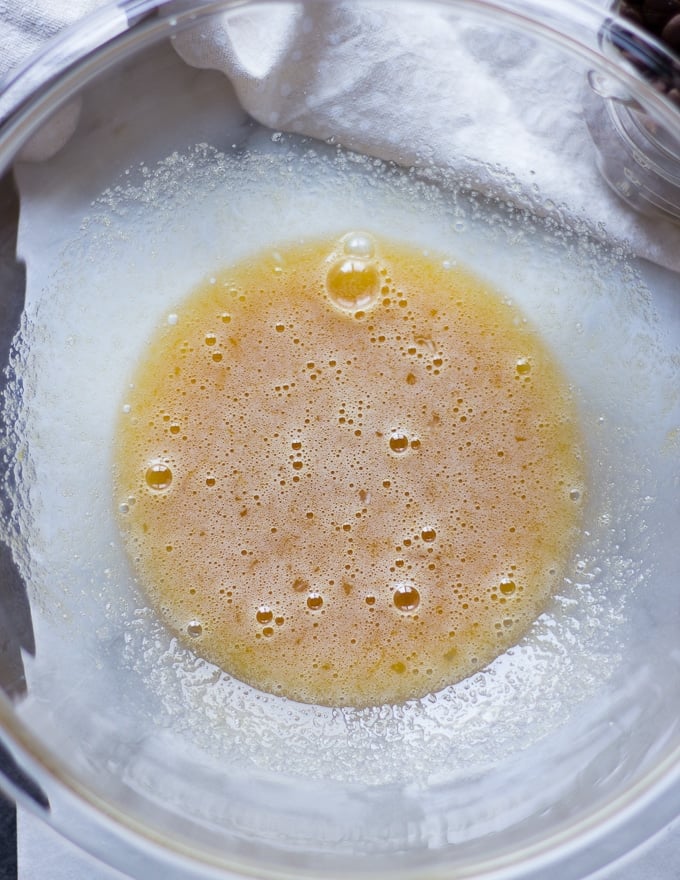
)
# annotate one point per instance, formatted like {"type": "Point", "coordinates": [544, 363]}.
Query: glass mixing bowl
{"type": "Point", "coordinates": [136, 169]}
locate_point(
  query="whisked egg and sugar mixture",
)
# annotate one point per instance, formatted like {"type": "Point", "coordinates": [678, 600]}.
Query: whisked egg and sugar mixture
{"type": "Point", "coordinates": [348, 472]}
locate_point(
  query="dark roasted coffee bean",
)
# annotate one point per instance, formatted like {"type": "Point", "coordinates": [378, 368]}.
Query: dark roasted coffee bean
{"type": "Point", "coordinates": [671, 33]}
{"type": "Point", "coordinates": [631, 13]}
{"type": "Point", "coordinates": [661, 7]}
{"type": "Point", "coordinates": [655, 13]}
{"type": "Point", "coordinates": [661, 18]}
{"type": "Point", "coordinates": [653, 22]}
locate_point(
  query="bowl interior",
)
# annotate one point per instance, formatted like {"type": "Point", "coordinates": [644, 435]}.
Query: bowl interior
{"type": "Point", "coordinates": [174, 172]}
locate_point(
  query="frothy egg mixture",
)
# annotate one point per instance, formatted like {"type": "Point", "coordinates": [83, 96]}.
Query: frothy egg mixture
{"type": "Point", "coordinates": [348, 472]}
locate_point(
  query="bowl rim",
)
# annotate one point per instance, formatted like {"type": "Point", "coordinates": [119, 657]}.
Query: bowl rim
{"type": "Point", "coordinates": [46, 81]}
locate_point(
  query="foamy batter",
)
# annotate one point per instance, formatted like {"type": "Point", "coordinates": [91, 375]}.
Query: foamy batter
{"type": "Point", "coordinates": [348, 472]}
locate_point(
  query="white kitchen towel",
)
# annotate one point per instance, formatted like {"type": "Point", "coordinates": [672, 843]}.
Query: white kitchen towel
{"type": "Point", "coordinates": [25, 25]}
{"type": "Point", "coordinates": [26, 28]}
{"type": "Point", "coordinates": [345, 71]}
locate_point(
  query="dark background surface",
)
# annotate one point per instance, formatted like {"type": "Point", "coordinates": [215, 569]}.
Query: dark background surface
{"type": "Point", "coordinates": [8, 840]}
{"type": "Point", "coordinates": [11, 668]}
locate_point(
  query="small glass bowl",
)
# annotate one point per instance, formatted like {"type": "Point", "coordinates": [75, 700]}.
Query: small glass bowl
{"type": "Point", "coordinates": [637, 156]}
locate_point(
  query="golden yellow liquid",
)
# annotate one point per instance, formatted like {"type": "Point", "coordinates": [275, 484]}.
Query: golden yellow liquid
{"type": "Point", "coordinates": [348, 474]}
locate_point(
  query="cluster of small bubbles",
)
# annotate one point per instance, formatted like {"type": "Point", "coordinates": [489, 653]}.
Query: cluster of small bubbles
{"type": "Point", "coordinates": [158, 476]}
{"type": "Point", "coordinates": [345, 506]}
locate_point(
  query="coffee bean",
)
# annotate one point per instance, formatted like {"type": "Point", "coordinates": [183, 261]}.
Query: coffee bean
{"type": "Point", "coordinates": [655, 13]}
{"type": "Point", "coordinates": [654, 23]}
{"type": "Point", "coordinates": [662, 19]}
{"type": "Point", "coordinates": [631, 13]}
{"type": "Point", "coordinates": [671, 33]}
{"type": "Point", "coordinates": [661, 7]}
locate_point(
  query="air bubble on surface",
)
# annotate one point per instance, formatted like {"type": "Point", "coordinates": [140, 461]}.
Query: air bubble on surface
{"type": "Point", "coordinates": [359, 244]}
{"type": "Point", "coordinates": [315, 601]}
{"type": "Point", "coordinates": [398, 441]}
{"type": "Point", "coordinates": [353, 284]}
{"type": "Point", "coordinates": [508, 587]}
{"type": "Point", "coordinates": [158, 476]}
{"type": "Point", "coordinates": [406, 597]}
{"type": "Point", "coordinates": [264, 614]}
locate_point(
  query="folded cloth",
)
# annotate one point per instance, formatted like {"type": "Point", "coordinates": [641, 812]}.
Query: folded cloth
{"type": "Point", "coordinates": [415, 86]}
{"type": "Point", "coordinates": [25, 27]}
{"type": "Point", "coordinates": [345, 71]}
